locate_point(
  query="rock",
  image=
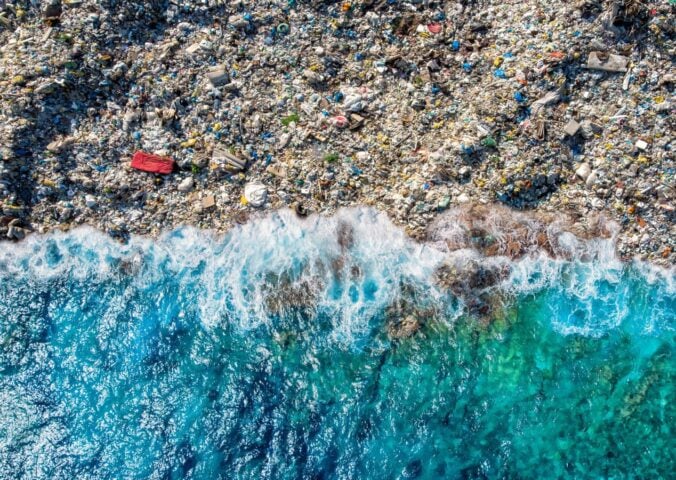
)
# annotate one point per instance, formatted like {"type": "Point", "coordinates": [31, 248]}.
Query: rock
{"type": "Point", "coordinates": [186, 184]}
{"type": "Point", "coordinates": [16, 233]}
{"type": "Point", "coordinates": [404, 328]}
{"type": "Point", "coordinates": [583, 171]}
{"type": "Point", "coordinates": [255, 194]}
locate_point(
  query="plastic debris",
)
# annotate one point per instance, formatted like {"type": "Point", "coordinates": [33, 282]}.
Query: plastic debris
{"type": "Point", "coordinates": [208, 202]}
{"type": "Point", "coordinates": [641, 144]}
{"type": "Point", "coordinates": [186, 184]}
{"type": "Point", "coordinates": [152, 163]}
{"type": "Point", "coordinates": [225, 159]}
{"type": "Point", "coordinates": [255, 194]}
{"type": "Point", "coordinates": [571, 128]}
{"type": "Point", "coordinates": [583, 171]}
{"type": "Point", "coordinates": [607, 62]}
{"type": "Point", "coordinates": [218, 76]}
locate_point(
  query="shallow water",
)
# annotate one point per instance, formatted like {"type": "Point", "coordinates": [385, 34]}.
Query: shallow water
{"type": "Point", "coordinates": [266, 354]}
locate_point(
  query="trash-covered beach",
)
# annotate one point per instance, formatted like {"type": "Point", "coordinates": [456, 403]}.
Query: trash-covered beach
{"type": "Point", "coordinates": [137, 117]}
{"type": "Point", "coordinates": [370, 239]}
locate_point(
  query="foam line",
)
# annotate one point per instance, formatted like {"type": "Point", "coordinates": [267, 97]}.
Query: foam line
{"type": "Point", "coordinates": [353, 266]}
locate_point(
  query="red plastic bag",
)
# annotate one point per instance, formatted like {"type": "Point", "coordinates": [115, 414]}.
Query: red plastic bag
{"type": "Point", "coordinates": [152, 163]}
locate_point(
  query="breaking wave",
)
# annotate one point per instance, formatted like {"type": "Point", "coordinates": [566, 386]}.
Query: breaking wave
{"type": "Point", "coordinates": [352, 266]}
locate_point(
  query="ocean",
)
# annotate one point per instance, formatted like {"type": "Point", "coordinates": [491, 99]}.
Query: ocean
{"type": "Point", "coordinates": [327, 348]}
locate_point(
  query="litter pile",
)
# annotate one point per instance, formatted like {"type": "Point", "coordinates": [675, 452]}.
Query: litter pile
{"type": "Point", "coordinates": [139, 116]}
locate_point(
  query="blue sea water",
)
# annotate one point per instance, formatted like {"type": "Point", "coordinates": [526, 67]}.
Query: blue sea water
{"type": "Point", "coordinates": [269, 353]}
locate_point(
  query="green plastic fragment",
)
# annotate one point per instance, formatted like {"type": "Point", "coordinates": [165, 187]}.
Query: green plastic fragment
{"type": "Point", "coordinates": [293, 118]}
{"type": "Point", "coordinates": [489, 142]}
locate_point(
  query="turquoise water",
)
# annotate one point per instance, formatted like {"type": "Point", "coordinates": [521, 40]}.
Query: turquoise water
{"type": "Point", "coordinates": [267, 353]}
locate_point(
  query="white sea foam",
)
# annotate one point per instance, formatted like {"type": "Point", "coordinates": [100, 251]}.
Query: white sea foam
{"type": "Point", "coordinates": [352, 266]}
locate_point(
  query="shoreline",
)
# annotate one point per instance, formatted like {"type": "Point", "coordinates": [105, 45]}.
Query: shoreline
{"type": "Point", "coordinates": [479, 259]}
{"type": "Point", "coordinates": [474, 228]}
